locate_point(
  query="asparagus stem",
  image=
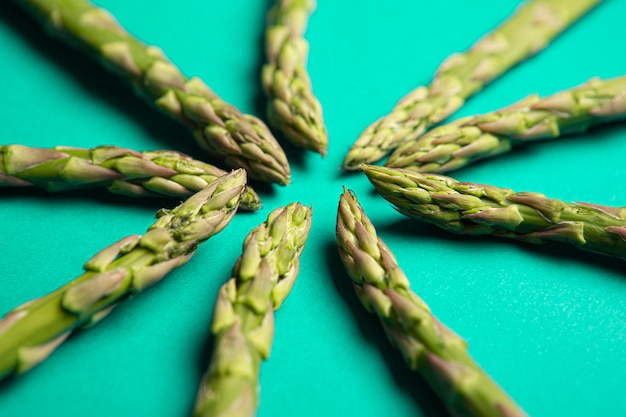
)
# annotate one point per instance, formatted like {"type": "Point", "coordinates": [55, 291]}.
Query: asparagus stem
{"type": "Point", "coordinates": [428, 347]}
{"type": "Point", "coordinates": [30, 332]}
{"type": "Point", "coordinates": [292, 107]}
{"type": "Point", "coordinates": [524, 33]}
{"type": "Point", "coordinates": [478, 209]}
{"type": "Point", "coordinates": [240, 140]}
{"type": "Point", "coordinates": [122, 171]}
{"type": "Point", "coordinates": [469, 139]}
{"type": "Point", "coordinates": [243, 320]}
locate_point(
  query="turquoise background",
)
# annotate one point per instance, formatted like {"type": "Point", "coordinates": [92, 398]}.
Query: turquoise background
{"type": "Point", "coordinates": [548, 323]}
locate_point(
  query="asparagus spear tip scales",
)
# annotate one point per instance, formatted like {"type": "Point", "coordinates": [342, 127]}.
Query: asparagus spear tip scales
{"type": "Point", "coordinates": [30, 332]}
{"type": "Point", "coordinates": [426, 344]}
{"type": "Point", "coordinates": [243, 319]}
{"type": "Point", "coordinates": [531, 27]}
{"type": "Point", "coordinates": [292, 107]}
{"type": "Point", "coordinates": [242, 141]}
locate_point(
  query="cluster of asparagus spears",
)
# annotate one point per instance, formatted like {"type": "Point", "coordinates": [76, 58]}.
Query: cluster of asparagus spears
{"type": "Point", "coordinates": [243, 323]}
{"type": "Point", "coordinates": [239, 140]}
{"type": "Point", "coordinates": [30, 332]}
{"type": "Point", "coordinates": [470, 208]}
{"type": "Point", "coordinates": [426, 344]}
{"type": "Point", "coordinates": [243, 318]}
{"type": "Point", "coordinates": [523, 34]}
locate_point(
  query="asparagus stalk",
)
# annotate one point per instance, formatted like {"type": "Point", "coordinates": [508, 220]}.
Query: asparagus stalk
{"type": "Point", "coordinates": [30, 332]}
{"type": "Point", "coordinates": [427, 345]}
{"type": "Point", "coordinates": [240, 140]}
{"type": "Point", "coordinates": [292, 107]}
{"type": "Point", "coordinates": [243, 320]}
{"type": "Point", "coordinates": [122, 171]}
{"type": "Point", "coordinates": [523, 34]}
{"type": "Point", "coordinates": [468, 139]}
{"type": "Point", "coordinates": [476, 209]}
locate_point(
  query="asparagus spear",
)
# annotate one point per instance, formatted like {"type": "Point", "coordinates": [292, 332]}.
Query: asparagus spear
{"type": "Point", "coordinates": [240, 140]}
{"type": "Point", "coordinates": [120, 170]}
{"type": "Point", "coordinates": [30, 332]}
{"type": "Point", "coordinates": [526, 32]}
{"type": "Point", "coordinates": [477, 209]}
{"type": "Point", "coordinates": [427, 345]}
{"type": "Point", "coordinates": [468, 139]}
{"type": "Point", "coordinates": [292, 107]}
{"type": "Point", "coordinates": [243, 320]}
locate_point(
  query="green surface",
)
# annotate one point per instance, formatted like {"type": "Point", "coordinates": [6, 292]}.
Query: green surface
{"type": "Point", "coordinates": [547, 323]}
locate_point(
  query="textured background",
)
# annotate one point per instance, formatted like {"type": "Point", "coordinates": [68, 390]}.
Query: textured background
{"type": "Point", "coordinates": [546, 322]}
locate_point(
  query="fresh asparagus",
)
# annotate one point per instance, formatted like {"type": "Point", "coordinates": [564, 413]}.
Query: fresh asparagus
{"type": "Point", "coordinates": [292, 107]}
{"type": "Point", "coordinates": [476, 209]}
{"type": "Point", "coordinates": [240, 140]}
{"type": "Point", "coordinates": [523, 34]}
{"type": "Point", "coordinates": [30, 332]}
{"type": "Point", "coordinates": [122, 171]}
{"type": "Point", "coordinates": [243, 320]}
{"type": "Point", "coordinates": [427, 345]}
{"type": "Point", "coordinates": [468, 139]}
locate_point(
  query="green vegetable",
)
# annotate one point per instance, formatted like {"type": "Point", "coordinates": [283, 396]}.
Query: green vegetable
{"type": "Point", "coordinates": [477, 209]}
{"type": "Point", "coordinates": [239, 140]}
{"type": "Point", "coordinates": [292, 107]}
{"type": "Point", "coordinates": [122, 171]}
{"type": "Point", "coordinates": [468, 139]}
{"type": "Point", "coordinates": [522, 35]}
{"type": "Point", "coordinates": [30, 332]}
{"type": "Point", "coordinates": [243, 320]}
{"type": "Point", "coordinates": [428, 347]}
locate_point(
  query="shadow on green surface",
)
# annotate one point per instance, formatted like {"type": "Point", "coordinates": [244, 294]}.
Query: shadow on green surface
{"type": "Point", "coordinates": [597, 136]}
{"type": "Point", "coordinates": [427, 402]}
{"type": "Point", "coordinates": [259, 100]}
{"type": "Point", "coordinates": [99, 195]}
{"type": "Point", "coordinates": [553, 251]}
{"type": "Point", "coordinates": [203, 361]}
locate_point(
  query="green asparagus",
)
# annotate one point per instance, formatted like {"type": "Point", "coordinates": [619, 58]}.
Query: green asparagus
{"type": "Point", "coordinates": [468, 139]}
{"type": "Point", "coordinates": [427, 345]}
{"type": "Point", "coordinates": [240, 140]}
{"type": "Point", "coordinates": [30, 332]}
{"type": "Point", "coordinates": [525, 33]}
{"type": "Point", "coordinates": [243, 320]}
{"type": "Point", "coordinates": [476, 209]}
{"type": "Point", "coordinates": [122, 171]}
{"type": "Point", "coordinates": [292, 107]}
